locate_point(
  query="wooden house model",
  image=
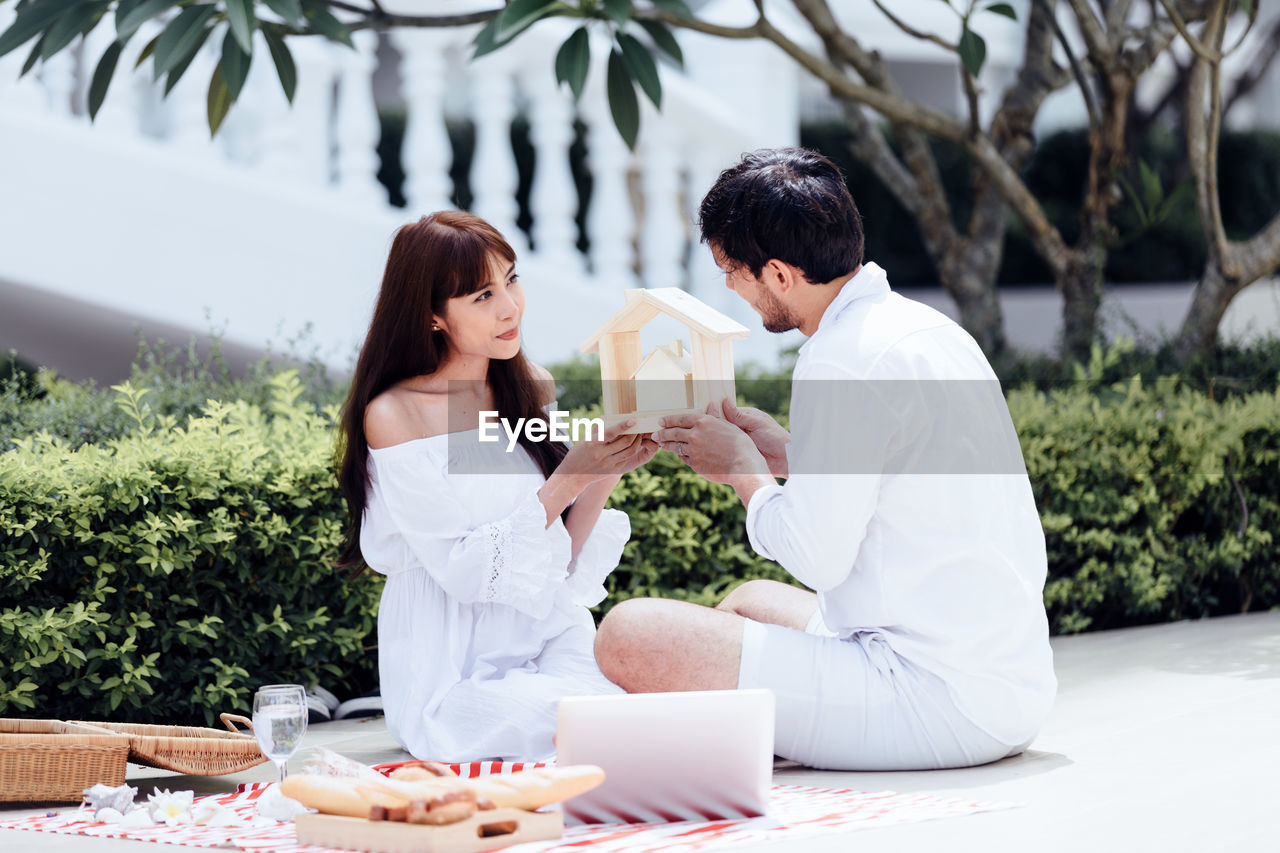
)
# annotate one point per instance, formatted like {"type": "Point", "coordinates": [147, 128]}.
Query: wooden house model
{"type": "Point", "coordinates": [669, 380]}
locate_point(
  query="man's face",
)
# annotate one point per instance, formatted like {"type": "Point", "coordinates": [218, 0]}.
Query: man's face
{"type": "Point", "coordinates": [776, 316]}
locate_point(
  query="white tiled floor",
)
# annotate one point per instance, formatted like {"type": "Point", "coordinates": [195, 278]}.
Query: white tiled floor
{"type": "Point", "coordinates": [1163, 738]}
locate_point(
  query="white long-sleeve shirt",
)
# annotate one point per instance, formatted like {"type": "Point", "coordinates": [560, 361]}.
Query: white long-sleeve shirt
{"type": "Point", "coordinates": [908, 509]}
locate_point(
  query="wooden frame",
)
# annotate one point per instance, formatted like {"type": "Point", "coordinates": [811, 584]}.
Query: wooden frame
{"type": "Point", "coordinates": [618, 343]}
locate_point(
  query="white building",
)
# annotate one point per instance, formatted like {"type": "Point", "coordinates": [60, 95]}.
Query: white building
{"type": "Point", "coordinates": [278, 228]}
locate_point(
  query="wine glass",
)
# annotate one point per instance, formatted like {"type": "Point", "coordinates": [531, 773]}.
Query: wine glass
{"type": "Point", "coordinates": [279, 721]}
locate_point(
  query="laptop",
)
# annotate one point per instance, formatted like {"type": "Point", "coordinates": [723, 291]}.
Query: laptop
{"type": "Point", "coordinates": [700, 756]}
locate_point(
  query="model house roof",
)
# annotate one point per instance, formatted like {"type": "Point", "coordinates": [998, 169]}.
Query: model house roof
{"type": "Point", "coordinates": [672, 354]}
{"type": "Point", "coordinates": [642, 305]}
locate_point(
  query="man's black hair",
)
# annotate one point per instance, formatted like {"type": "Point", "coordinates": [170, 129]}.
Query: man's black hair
{"type": "Point", "coordinates": [786, 203]}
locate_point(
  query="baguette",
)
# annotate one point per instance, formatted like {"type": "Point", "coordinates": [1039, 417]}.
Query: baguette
{"type": "Point", "coordinates": [533, 789]}
{"type": "Point", "coordinates": [528, 789]}
{"type": "Point", "coordinates": [420, 770]}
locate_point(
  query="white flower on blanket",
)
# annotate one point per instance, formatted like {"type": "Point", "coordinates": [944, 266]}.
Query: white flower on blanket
{"type": "Point", "coordinates": [171, 809]}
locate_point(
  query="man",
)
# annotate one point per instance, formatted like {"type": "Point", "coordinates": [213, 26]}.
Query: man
{"type": "Point", "coordinates": [906, 508]}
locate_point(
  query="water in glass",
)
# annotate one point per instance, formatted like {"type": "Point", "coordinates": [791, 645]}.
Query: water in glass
{"type": "Point", "coordinates": [279, 721]}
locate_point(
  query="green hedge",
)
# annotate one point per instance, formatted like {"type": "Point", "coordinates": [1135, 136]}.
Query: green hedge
{"type": "Point", "coordinates": [1158, 502]}
{"type": "Point", "coordinates": [163, 573]}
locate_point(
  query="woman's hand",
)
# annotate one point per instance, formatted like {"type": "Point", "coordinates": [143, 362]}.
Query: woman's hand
{"type": "Point", "coordinates": [612, 457]}
{"type": "Point", "coordinates": [589, 462]}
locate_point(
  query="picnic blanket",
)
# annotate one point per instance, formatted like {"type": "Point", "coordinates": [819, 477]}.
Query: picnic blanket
{"type": "Point", "coordinates": [795, 811]}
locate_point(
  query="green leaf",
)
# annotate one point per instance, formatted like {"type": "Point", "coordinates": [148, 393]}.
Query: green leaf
{"type": "Point", "coordinates": [973, 51]}
{"type": "Point", "coordinates": [289, 10]}
{"type": "Point", "coordinates": [67, 27]}
{"type": "Point", "coordinates": [1144, 220]}
{"type": "Point", "coordinates": [664, 39]}
{"type": "Point", "coordinates": [518, 16]}
{"type": "Point", "coordinates": [219, 100]}
{"type": "Point", "coordinates": [1003, 9]}
{"type": "Point", "coordinates": [622, 99]}
{"type": "Point", "coordinates": [128, 19]}
{"type": "Point", "coordinates": [1246, 6]}
{"type": "Point", "coordinates": [31, 21]}
{"type": "Point", "coordinates": [147, 50]}
{"type": "Point", "coordinates": [678, 7]}
{"type": "Point", "coordinates": [180, 67]}
{"type": "Point", "coordinates": [619, 11]}
{"type": "Point", "coordinates": [1152, 192]}
{"type": "Point", "coordinates": [243, 23]}
{"type": "Point", "coordinates": [323, 21]}
{"type": "Point", "coordinates": [283, 59]}
{"type": "Point", "coordinates": [640, 64]}
{"type": "Point", "coordinates": [183, 34]}
{"type": "Point", "coordinates": [573, 60]}
{"type": "Point", "coordinates": [234, 65]}
{"type": "Point", "coordinates": [1175, 199]}
{"type": "Point", "coordinates": [97, 93]}
{"type": "Point", "coordinates": [32, 57]}
{"type": "Point", "coordinates": [486, 40]}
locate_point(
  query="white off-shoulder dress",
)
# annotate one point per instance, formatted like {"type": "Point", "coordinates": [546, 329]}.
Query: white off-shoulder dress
{"type": "Point", "coordinates": [483, 624]}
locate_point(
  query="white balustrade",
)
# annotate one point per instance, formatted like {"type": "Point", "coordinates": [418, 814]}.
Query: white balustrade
{"type": "Point", "coordinates": [17, 95]}
{"type": "Point", "coordinates": [494, 177]}
{"type": "Point", "coordinates": [706, 280]}
{"type": "Point", "coordinates": [357, 122]}
{"type": "Point", "coordinates": [425, 154]}
{"type": "Point", "coordinates": [641, 219]}
{"type": "Point", "coordinates": [58, 74]}
{"type": "Point", "coordinates": [119, 111]}
{"type": "Point", "coordinates": [663, 235]}
{"type": "Point", "coordinates": [553, 197]}
{"type": "Point", "coordinates": [241, 133]}
{"type": "Point", "coordinates": [187, 102]}
{"type": "Point", "coordinates": [297, 143]}
{"type": "Point", "coordinates": [611, 216]}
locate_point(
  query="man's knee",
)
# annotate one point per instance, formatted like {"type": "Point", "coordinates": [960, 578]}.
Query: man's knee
{"type": "Point", "coordinates": [619, 637]}
{"type": "Point", "coordinates": [743, 599]}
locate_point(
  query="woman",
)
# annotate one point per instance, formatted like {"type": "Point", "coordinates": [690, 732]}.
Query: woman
{"type": "Point", "coordinates": [492, 557]}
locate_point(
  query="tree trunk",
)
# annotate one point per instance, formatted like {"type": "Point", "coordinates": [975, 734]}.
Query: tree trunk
{"type": "Point", "coordinates": [1209, 303]}
{"type": "Point", "coordinates": [979, 305]}
{"type": "Point", "coordinates": [1081, 285]}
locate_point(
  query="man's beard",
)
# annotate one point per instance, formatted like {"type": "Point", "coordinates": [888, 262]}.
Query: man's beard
{"type": "Point", "coordinates": [777, 317]}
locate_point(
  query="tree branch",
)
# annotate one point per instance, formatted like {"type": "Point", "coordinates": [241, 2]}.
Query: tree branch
{"type": "Point", "coordinates": [1082, 80]}
{"type": "Point", "coordinates": [698, 26]}
{"type": "Point", "coordinates": [917, 185]}
{"type": "Point", "coordinates": [376, 20]}
{"type": "Point", "coordinates": [1194, 43]}
{"type": "Point", "coordinates": [1202, 146]}
{"type": "Point", "coordinates": [912, 31]}
{"type": "Point", "coordinates": [1258, 69]}
{"type": "Point", "coordinates": [1117, 14]}
{"type": "Point", "coordinates": [1097, 45]}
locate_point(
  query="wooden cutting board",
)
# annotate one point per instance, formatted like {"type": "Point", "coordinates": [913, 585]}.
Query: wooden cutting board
{"type": "Point", "coordinates": [487, 830]}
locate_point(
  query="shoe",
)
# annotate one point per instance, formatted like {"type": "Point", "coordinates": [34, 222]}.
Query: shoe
{"type": "Point", "coordinates": [317, 710]}
{"type": "Point", "coordinates": [331, 702]}
{"type": "Point", "coordinates": [368, 705]}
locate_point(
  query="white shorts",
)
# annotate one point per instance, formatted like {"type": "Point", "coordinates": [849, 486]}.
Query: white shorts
{"type": "Point", "coordinates": [853, 704]}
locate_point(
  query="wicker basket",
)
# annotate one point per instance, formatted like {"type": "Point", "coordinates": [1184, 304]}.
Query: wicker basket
{"type": "Point", "coordinates": [192, 750]}
{"type": "Point", "coordinates": [49, 761]}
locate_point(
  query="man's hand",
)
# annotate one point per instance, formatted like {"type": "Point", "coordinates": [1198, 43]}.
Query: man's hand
{"type": "Point", "coordinates": [717, 450]}
{"type": "Point", "coordinates": [767, 434]}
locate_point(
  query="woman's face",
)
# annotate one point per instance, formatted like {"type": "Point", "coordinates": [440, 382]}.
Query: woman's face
{"type": "Point", "coordinates": [486, 323]}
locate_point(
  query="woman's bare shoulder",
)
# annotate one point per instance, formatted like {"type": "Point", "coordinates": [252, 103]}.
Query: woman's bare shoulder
{"type": "Point", "coordinates": [402, 414]}
{"type": "Point", "coordinates": [548, 382]}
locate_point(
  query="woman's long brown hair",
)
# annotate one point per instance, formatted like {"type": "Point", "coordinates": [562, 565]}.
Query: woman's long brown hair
{"type": "Point", "coordinates": [433, 260]}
